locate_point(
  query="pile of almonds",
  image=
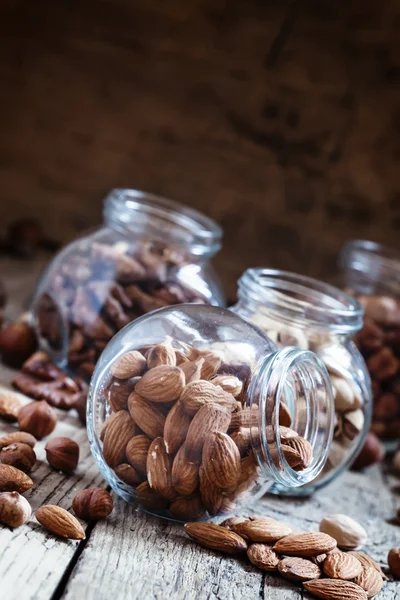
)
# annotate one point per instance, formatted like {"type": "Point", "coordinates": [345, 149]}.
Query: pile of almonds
{"type": "Point", "coordinates": [379, 343]}
{"type": "Point", "coordinates": [325, 562]}
{"type": "Point", "coordinates": [178, 430]}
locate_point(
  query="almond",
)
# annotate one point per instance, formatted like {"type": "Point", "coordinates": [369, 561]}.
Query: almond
{"type": "Point", "coordinates": [161, 354]}
{"type": "Point", "coordinates": [127, 474]}
{"type": "Point", "coordinates": [370, 580]}
{"type": "Point", "coordinates": [303, 447]}
{"type": "Point", "coordinates": [339, 565]}
{"type": "Point", "coordinates": [10, 406]}
{"type": "Point", "coordinates": [210, 418]}
{"type": "Point", "coordinates": [229, 383]}
{"type": "Point", "coordinates": [212, 363]}
{"type": "Point", "coordinates": [285, 418]}
{"type": "Point", "coordinates": [118, 392]}
{"type": "Point", "coordinates": [291, 456]}
{"type": "Point", "coordinates": [17, 437]}
{"type": "Point", "coordinates": [216, 537]}
{"type": "Point", "coordinates": [263, 557]}
{"type": "Point", "coordinates": [247, 417]}
{"type": "Point", "coordinates": [176, 427]}
{"type": "Point", "coordinates": [347, 532]}
{"type": "Point", "coordinates": [159, 469]}
{"type": "Point", "coordinates": [118, 433]}
{"type": "Point", "coordinates": [221, 460]}
{"type": "Point", "coordinates": [60, 522]}
{"type": "Point", "coordinates": [136, 452]}
{"type": "Point", "coordinates": [192, 369]}
{"type": "Point", "coordinates": [187, 508]}
{"type": "Point", "coordinates": [286, 433]}
{"type": "Point", "coordinates": [248, 475]}
{"type": "Point", "coordinates": [149, 498]}
{"type": "Point", "coordinates": [211, 496]}
{"type": "Point", "coordinates": [14, 480]}
{"type": "Point", "coordinates": [230, 522]}
{"type": "Point", "coordinates": [198, 393]}
{"type": "Point", "coordinates": [264, 530]}
{"type": "Point", "coordinates": [161, 384]}
{"type": "Point", "coordinates": [147, 416]}
{"type": "Point", "coordinates": [305, 544]}
{"type": "Point", "coordinates": [104, 426]}
{"type": "Point", "coordinates": [242, 439]}
{"type": "Point", "coordinates": [335, 589]}
{"type": "Point", "coordinates": [366, 561]}
{"type": "Point", "coordinates": [130, 364]}
{"type": "Point", "coordinates": [185, 475]}
{"type": "Point", "coordinates": [298, 569]}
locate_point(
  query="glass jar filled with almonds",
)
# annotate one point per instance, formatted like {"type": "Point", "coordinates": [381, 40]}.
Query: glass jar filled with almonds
{"type": "Point", "coordinates": [150, 253]}
{"type": "Point", "coordinates": [371, 273]}
{"type": "Point", "coordinates": [192, 411]}
{"type": "Point", "coordinates": [299, 311]}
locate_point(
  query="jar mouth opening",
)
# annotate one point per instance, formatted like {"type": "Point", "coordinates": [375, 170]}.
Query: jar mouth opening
{"type": "Point", "coordinates": [373, 259]}
{"type": "Point", "coordinates": [299, 380]}
{"type": "Point", "coordinates": [300, 300]}
{"type": "Point", "coordinates": [162, 220]}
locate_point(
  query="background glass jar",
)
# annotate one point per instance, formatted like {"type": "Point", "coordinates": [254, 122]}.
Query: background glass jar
{"type": "Point", "coordinates": [193, 410]}
{"type": "Point", "coordinates": [372, 273]}
{"type": "Point", "coordinates": [151, 253]}
{"type": "Point", "coordinates": [299, 311]}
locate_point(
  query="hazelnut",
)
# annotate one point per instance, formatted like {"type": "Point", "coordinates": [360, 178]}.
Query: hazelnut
{"type": "Point", "coordinates": [37, 418]}
{"type": "Point", "coordinates": [371, 452]}
{"type": "Point", "coordinates": [15, 510]}
{"type": "Point", "coordinates": [394, 562]}
{"type": "Point", "coordinates": [62, 454]}
{"type": "Point", "coordinates": [17, 343]}
{"type": "Point", "coordinates": [21, 456]}
{"type": "Point", "coordinates": [93, 504]}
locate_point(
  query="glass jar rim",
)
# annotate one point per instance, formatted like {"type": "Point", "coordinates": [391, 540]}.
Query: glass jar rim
{"type": "Point", "coordinates": [164, 220]}
{"type": "Point", "coordinates": [371, 258]}
{"type": "Point", "coordinates": [301, 300]}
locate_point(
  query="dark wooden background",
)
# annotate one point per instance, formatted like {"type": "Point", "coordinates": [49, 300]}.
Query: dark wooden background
{"type": "Point", "coordinates": [280, 119]}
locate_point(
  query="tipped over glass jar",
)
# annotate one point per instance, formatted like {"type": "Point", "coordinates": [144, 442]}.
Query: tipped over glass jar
{"type": "Point", "coordinates": [150, 253]}
{"type": "Point", "coordinates": [299, 311]}
{"type": "Point", "coordinates": [192, 410]}
{"type": "Point", "coordinates": [371, 273]}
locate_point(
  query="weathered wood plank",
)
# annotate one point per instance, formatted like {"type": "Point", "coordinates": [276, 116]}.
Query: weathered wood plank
{"type": "Point", "coordinates": [142, 557]}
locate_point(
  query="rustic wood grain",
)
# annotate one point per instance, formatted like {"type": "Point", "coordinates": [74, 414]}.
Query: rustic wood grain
{"type": "Point", "coordinates": [132, 555]}
{"type": "Point", "coordinates": [279, 119]}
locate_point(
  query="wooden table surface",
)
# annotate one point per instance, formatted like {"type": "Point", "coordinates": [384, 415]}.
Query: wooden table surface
{"type": "Point", "coordinates": [135, 556]}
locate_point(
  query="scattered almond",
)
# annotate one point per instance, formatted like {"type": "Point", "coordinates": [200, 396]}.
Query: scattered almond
{"type": "Point", "coordinates": [347, 532]}
{"type": "Point", "coordinates": [335, 589]}
{"type": "Point", "coordinates": [263, 557]}
{"type": "Point", "coordinates": [298, 569]}
{"type": "Point", "coordinates": [60, 522]}
{"type": "Point", "coordinates": [339, 565]}
{"type": "Point", "coordinates": [216, 537]}
{"type": "Point", "coordinates": [263, 530]}
{"type": "Point", "coordinates": [10, 405]}
{"type": "Point", "coordinates": [370, 580]}
{"type": "Point", "coordinates": [14, 480]}
{"type": "Point", "coordinates": [305, 544]}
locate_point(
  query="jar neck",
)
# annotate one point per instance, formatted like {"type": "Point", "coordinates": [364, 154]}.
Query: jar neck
{"type": "Point", "coordinates": [157, 219]}
{"type": "Point", "coordinates": [298, 301]}
{"type": "Point", "coordinates": [298, 379]}
{"type": "Point", "coordinates": [371, 268]}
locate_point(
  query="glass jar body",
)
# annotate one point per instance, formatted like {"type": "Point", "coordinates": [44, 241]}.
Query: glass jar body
{"type": "Point", "coordinates": [185, 413]}
{"type": "Point", "coordinates": [372, 274]}
{"type": "Point", "coordinates": [299, 311]}
{"type": "Point", "coordinates": [144, 258]}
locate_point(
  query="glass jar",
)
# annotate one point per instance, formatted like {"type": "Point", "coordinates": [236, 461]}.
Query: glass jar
{"type": "Point", "coordinates": [371, 272]}
{"type": "Point", "coordinates": [193, 410]}
{"type": "Point", "coordinates": [150, 253]}
{"type": "Point", "coordinates": [303, 312]}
